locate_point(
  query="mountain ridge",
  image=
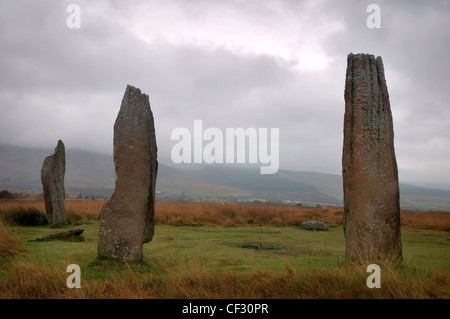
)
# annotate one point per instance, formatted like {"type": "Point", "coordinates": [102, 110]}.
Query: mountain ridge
{"type": "Point", "coordinates": [91, 173]}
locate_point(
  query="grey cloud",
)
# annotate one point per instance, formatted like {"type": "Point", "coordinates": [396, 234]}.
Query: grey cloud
{"type": "Point", "coordinates": [61, 83]}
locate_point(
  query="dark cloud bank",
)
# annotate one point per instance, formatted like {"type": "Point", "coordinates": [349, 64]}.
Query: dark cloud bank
{"type": "Point", "coordinates": [231, 64]}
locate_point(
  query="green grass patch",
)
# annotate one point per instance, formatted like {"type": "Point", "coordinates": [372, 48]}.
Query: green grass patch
{"type": "Point", "coordinates": [181, 254]}
{"type": "Point", "coordinates": [59, 224]}
{"type": "Point", "coordinates": [71, 238]}
{"type": "Point", "coordinates": [265, 247]}
{"type": "Point", "coordinates": [261, 245]}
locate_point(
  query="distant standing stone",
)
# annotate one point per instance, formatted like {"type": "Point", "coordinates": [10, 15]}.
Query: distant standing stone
{"type": "Point", "coordinates": [314, 225]}
{"type": "Point", "coordinates": [52, 178]}
{"type": "Point", "coordinates": [127, 220]}
{"type": "Point", "coordinates": [369, 167]}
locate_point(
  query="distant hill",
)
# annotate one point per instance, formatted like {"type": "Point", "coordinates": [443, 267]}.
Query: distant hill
{"type": "Point", "coordinates": [92, 174]}
{"type": "Point", "coordinates": [21, 167]}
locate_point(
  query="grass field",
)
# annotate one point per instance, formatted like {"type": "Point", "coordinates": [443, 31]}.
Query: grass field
{"type": "Point", "coordinates": [222, 251]}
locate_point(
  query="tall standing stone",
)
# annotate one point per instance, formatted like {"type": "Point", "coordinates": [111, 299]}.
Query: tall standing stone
{"type": "Point", "coordinates": [127, 220]}
{"type": "Point", "coordinates": [369, 167]}
{"type": "Point", "coordinates": [52, 178]}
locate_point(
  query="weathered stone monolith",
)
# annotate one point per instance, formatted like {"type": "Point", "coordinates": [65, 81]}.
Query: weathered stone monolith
{"type": "Point", "coordinates": [369, 167]}
{"type": "Point", "coordinates": [52, 178]}
{"type": "Point", "coordinates": [127, 220]}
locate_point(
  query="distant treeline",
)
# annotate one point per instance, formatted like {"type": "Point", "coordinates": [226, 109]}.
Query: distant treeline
{"type": "Point", "coordinates": [7, 194]}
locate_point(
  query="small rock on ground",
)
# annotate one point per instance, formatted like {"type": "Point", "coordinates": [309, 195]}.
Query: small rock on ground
{"type": "Point", "coordinates": [314, 225]}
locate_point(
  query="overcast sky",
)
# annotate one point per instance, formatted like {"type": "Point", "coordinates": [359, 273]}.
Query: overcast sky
{"type": "Point", "coordinates": [262, 64]}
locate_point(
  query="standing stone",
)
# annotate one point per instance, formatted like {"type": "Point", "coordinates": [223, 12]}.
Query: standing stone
{"type": "Point", "coordinates": [127, 220]}
{"type": "Point", "coordinates": [369, 167]}
{"type": "Point", "coordinates": [52, 178]}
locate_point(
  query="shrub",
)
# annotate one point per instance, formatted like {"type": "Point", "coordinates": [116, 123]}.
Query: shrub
{"type": "Point", "coordinates": [20, 216]}
{"type": "Point", "coordinates": [7, 194]}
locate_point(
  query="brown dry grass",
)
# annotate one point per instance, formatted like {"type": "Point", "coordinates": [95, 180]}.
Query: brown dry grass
{"type": "Point", "coordinates": [28, 280]}
{"type": "Point", "coordinates": [426, 220]}
{"type": "Point", "coordinates": [80, 208]}
{"type": "Point", "coordinates": [257, 215]}
{"type": "Point", "coordinates": [183, 214]}
{"type": "Point", "coordinates": [10, 244]}
{"type": "Point", "coordinates": [242, 215]}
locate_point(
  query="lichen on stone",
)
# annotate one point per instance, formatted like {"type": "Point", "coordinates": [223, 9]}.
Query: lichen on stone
{"type": "Point", "coordinates": [369, 166]}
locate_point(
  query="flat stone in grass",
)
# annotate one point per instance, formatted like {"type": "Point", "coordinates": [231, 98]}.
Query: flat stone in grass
{"type": "Point", "coordinates": [76, 231]}
{"type": "Point", "coordinates": [314, 225]}
{"type": "Point", "coordinates": [65, 234]}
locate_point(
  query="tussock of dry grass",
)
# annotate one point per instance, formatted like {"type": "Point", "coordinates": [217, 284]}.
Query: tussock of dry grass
{"type": "Point", "coordinates": [10, 244]}
{"type": "Point", "coordinates": [29, 281]}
